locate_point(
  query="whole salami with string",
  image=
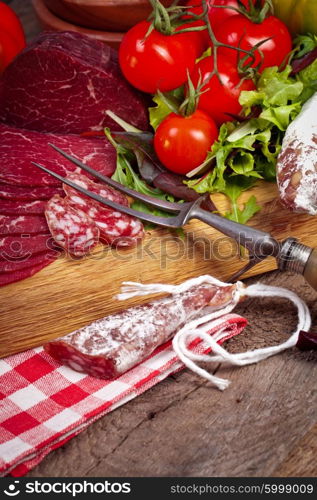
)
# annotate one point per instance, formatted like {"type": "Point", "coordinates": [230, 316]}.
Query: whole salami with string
{"type": "Point", "coordinates": [112, 345]}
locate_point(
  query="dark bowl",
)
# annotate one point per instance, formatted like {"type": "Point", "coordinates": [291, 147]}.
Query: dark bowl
{"type": "Point", "coordinates": [51, 22]}
{"type": "Point", "coordinates": [109, 15]}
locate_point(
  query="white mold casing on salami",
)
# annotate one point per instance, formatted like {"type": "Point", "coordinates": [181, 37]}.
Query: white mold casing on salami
{"type": "Point", "coordinates": [112, 345]}
{"type": "Point", "coordinates": [297, 162]}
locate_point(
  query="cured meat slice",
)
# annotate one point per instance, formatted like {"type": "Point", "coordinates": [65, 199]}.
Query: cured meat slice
{"type": "Point", "coordinates": [69, 80]}
{"type": "Point", "coordinates": [14, 248]}
{"type": "Point", "coordinates": [112, 345]}
{"type": "Point", "coordinates": [7, 278]}
{"type": "Point", "coordinates": [12, 266]}
{"type": "Point", "coordinates": [102, 189]}
{"type": "Point", "coordinates": [116, 229]}
{"type": "Point", "coordinates": [71, 229]}
{"type": "Point", "coordinates": [11, 192]}
{"type": "Point", "coordinates": [297, 165]}
{"type": "Point", "coordinates": [22, 208]}
{"type": "Point", "coordinates": [18, 148]}
{"type": "Point", "coordinates": [22, 224]}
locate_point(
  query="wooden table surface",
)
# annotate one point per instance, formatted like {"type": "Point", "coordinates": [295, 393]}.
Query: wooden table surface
{"type": "Point", "coordinates": [264, 424]}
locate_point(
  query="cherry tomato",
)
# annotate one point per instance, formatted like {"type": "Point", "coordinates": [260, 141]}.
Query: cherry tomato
{"type": "Point", "coordinates": [9, 48]}
{"type": "Point", "coordinates": [216, 15]}
{"type": "Point", "coordinates": [182, 142]}
{"type": "Point", "coordinates": [157, 61]}
{"type": "Point", "coordinates": [12, 39]}
{"type": "Point", "coordinates": [219, 98]}
{"type": "Point", "coordinates": [11, 23]}
{"type": "Point", "coordinates": [241, 32]}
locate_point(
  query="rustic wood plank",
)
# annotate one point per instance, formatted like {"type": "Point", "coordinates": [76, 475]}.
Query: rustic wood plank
{"type": "Point", "coordinates": [301, 461]}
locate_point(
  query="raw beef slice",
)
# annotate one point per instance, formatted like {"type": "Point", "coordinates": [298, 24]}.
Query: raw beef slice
{"type": "Point", "coordinates": [10, 207]}
{"type": "Point", "coordinates": [12, 192]}
{"type": "Point", "coordinates": [22, 224]}
{"type": "Point", "coordinates": [69, 80]}
{"type": "Point", "coordinates": [12, 266]}
{"type": "Point", "coordinates": [21, 274]}
{"type": "Point", "coordinates": [18, 148]}
{"type": "Point", "coordinates": [21, 247]}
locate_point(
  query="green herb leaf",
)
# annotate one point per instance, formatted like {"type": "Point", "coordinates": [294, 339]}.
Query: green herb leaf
{"type": "Point", "coordinates": [246, 213]}
{"type": "Point", "coordinates": [308, 77]}
{"type": "Point", "coordinates": [304, 44]}
{"type": "Point", "coordinates": [165, 104]}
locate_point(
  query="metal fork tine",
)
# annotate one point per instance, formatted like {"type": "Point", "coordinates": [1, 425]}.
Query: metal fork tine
{"type": "Point", "coordinates": [154, 202]}
{"type": "Point", "coordinates": [154, 219]}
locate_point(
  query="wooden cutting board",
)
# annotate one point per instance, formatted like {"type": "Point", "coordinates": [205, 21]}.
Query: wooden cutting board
{"type": "Point", "coordinates": [69, 293]}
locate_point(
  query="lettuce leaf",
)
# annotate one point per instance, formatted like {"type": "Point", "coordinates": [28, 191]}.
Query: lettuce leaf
{"type": "Point", "coordinates": [278, 95]}
{"type": "Point", "coordinates": [308, 77]}
{"type": "Point", "coordinates": [165, 104]}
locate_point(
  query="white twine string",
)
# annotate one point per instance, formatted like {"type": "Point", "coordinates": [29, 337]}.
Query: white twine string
{"type": "Point", "coordinates": [131, 289]}
{"type": "Point", "coordinates": [200, 326]}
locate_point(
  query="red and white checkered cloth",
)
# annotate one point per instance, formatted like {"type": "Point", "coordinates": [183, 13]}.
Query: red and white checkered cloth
{"type": "Point", "coordinates": [44, 404]}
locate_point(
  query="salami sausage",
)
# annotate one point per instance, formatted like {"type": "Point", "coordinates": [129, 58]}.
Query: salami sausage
{"type": "Point", "coordinates": [10, 192]}
{"type": "Point", "coordinates": [22, 224]}
{"type": "Point", "coordinates": [112, 345]}
{"type": "Point", "coordinates": [116, 229]}
{"type": "Point", "coordinates": [297, 165]}
{"type": "Point", "coordinates": [71, 229]}
{"type": "Point", "coordinates": [10, 207]}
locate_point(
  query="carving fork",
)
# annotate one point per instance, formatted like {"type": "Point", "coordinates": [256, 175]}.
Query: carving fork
{"type": "Point", "coordinates": [290, 254]}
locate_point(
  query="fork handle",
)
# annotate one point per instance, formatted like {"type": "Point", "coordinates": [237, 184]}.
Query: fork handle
{"type": "Point", "coordinates": [258, 243]}
{"type": "Point", "coordinates": [299, 258]}
{"type": "Point", "coordinates": [310, 271]}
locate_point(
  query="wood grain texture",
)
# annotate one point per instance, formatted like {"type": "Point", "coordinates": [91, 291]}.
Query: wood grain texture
{"type": "Point", "coordinates": [69, 294]}
{"type": "Point", "coordinates": [264, 425]}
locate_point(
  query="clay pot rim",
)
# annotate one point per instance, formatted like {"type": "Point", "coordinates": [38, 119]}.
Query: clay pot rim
{"type": "Point", "coordinates": [106, 3]}
{"type": "Point", "coordinates": [58, 24]}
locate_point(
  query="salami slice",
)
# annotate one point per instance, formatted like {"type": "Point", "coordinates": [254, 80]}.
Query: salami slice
{"type": "Point", "coordinates": [22, 224]}
{"type": "Point", "coordinates": [11, 192]}
{"type": "Point", "coordinates": [102, 189]}
{"type": "Point", "coordinates": [71, 229]}
{"type": "Point", "coordinates": [12, 266]}
{"type": "Point", "coordinates": [116, 229]}
{"type": "Point", "coordinates": [10, 207]}
{"type": "Point", "coordinates": [112, 345]}
{"type": "Point", "coordinates": [7, 278]}
{"type": "Point", "coordinates": [14, 248]}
